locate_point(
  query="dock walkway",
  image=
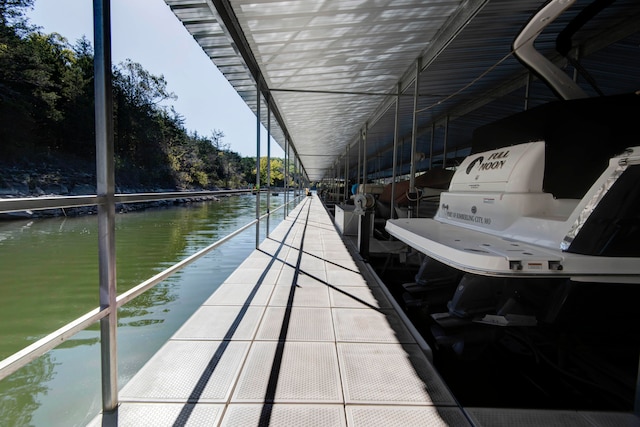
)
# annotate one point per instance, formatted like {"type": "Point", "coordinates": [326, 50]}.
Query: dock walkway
{"type": "Point", "coordinates": [295, 337]}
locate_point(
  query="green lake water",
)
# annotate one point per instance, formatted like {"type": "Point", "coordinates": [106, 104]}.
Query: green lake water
{"type": "Point", "coordinates": [49, 276]}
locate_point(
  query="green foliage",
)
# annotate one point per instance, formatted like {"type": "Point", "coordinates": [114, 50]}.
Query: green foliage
{"type": "Point", "coordinates": [11, 13]}
{"type": "Point", "coordinates": [274, 169]}
{"type": "Point", "coordinates": [47, 109]}
{"type": "Point", "coordinates": [277, 172]}
{"type": "Point", "coordinates": [248, 165]}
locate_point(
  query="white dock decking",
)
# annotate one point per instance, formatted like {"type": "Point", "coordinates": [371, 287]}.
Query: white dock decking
{"type": "Point", "coordinates": [297, 337]}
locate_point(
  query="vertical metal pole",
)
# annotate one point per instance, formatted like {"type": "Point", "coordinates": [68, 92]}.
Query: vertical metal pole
{"type": "Point", "coordinates": [341, 184]}
{"type": "Point", "coordinates": [365, 220]}
{"type": "Point", "coordinates": [414, 129]}
{"type": "Point", "coordinates": [106, 208]}
{"type": "Point", "coordinates": [258, 164]}
{"type": "Point", "coordinates": [359, 163]}
{"type": "Point", "coordinates": [337, 184]}
{"type": "Point", "coordinates": [364, 156]}
{"type": "Point", "coordinates": [341, 181]}
{"type": "Point", "coordinates": [433, 136]}
{"type": "Point", "coordinates": [300, 176]}
{"type": "Point", "coordinates": [444, 149]}
{"type": "Point", "coordinates": [396, 137]}
{"type": "Point", "coordinates": [286, 177]}
{"type": "Point", "coordinates": [295, 175]}
{"type": "Point", "coordinates": [345, 190]}
{"type": "Point", "coordinates": [268, 164]}
{"type": "Point", "coordinates": [414, 136]}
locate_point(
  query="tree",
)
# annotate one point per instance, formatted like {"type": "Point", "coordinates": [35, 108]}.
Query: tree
{"type": "Point", "coordinates": [16, 80]}
{"type": "Point", "coordinates": [248, 166]}
{"type": "Point", "coordinates": [140, 87]}
{"type": "Point", "coordinates": [138, 138]}
{"type": "Point", "coordinates": [12, 14]}
{"type": "Point", "coordinates": [77, 131]}
{"type": "Point", "coordinates": [47, 110]}
{"type": "Point", "coordinates": [277, 172]}
{"type": "Point", "coordinates": [52, 75]}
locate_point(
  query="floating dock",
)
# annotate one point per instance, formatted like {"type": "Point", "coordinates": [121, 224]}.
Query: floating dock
{"type": "Point", "coordinates": [302, 334]}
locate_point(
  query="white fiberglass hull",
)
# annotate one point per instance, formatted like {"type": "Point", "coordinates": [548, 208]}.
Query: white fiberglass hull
{"type": "Point", "coordinates": [484, 254]}
{"type": "Point", "coordinates": [496, 220]}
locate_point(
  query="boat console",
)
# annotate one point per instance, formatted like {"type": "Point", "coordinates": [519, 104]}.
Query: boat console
{"type": "Point", "coordinates": [497, 220]}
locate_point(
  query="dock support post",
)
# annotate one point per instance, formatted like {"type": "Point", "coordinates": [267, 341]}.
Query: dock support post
{"type": "Point", "coordinates": [359, 161]}
{"type": "Point", "coordinates": [295, 176]}
{"type": "Point", "coordinates": [346, 175]}
{"type": "Point", "coordinates": [258, 163]}
{"type": "Point", "coordinates": [105, 186]}
{"type": "Point", "coordinates": [444, 143]}
{"type": "Point", "coordinates": [286, 176]}
{"type": "Point", "coordinates": [433, 136]}
{"type": "Point", "coordinates": [364, 156]}
{"type": "Point", "coordinates": [336, 182]}
{"type": "Point", "coordinates": [268, 164]}
{"type": "Point", "coordinates": [413, 194]}
{"type": "Point", "coordinates": [396, 137]}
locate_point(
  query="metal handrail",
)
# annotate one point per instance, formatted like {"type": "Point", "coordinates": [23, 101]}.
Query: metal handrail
{"type": "Point", "coordinates": [56, 202]}
{"type": "Point", "coordinates": [39, 203]}
{"type": "Point", "coordinates": [30, 353]}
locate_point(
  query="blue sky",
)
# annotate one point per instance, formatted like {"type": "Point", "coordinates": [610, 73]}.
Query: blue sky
{"type": "Point", "coordinates": [146, 31]}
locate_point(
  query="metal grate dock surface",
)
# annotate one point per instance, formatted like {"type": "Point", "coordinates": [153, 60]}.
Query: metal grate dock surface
{"type": "Point", "coordinates": [297, 337]}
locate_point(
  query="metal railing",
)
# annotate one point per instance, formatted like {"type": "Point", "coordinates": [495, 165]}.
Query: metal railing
{"type": "Point", "coordinates": [105, 200]}
{"type": "Point", "coordinates": [30, 353]}
{"type": "Point", "coordinates": [63, 202]}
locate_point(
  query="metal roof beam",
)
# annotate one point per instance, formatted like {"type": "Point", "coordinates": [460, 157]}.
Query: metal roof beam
{"type": "Point", "coordinates": [465, 13]}
{"type": "Point", "coordinates": [223, 11]}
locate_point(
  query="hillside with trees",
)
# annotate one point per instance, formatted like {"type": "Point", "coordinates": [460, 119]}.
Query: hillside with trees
{"type": "Point", "coordinates": [47, 135]}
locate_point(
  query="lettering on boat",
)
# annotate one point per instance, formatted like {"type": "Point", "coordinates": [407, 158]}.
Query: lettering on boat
{"type": "Point", "coordinates": [496, 160]}
{"type": "Point", "coordinates": [468, 217]}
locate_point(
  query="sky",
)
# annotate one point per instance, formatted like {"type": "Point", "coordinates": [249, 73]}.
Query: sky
{"type": "Point", "coordinates": [147, 32]}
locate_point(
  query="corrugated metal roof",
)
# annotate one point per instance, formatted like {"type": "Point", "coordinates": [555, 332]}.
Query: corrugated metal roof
{"type": "Point", "coordinates": [332, 68]}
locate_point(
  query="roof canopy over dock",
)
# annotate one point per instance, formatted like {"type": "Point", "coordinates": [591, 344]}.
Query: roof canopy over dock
{"type": "Point", "coordinates": [337, 78]}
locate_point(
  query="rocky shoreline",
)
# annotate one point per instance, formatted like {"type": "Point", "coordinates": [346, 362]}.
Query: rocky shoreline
{"type": "Point", "coordinates": [46, 181]}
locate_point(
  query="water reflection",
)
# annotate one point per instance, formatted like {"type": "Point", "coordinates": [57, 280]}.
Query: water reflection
{"type": "Point", "coordinates": [146, 304]}
{"type": "Point", "coordinates": [50, 277]}
{"type": "Point", "coordinates": [19, 392]}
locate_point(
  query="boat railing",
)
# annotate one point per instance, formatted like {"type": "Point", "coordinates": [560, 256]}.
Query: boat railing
{"type": "Point", "coordinates": [8, 205]}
